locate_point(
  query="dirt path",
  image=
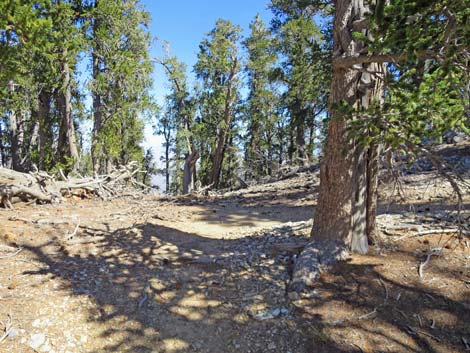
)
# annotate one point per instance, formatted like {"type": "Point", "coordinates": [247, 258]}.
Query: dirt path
{"type": "Point", "coordinates": [207, 275]}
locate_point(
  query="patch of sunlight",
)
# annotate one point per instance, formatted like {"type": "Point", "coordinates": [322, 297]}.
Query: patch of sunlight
{"type": "Point", "coordinates": [165, 296]}
{"type": "Point", "coordinates": [198, 301]}
{"type": "Point", "coordinates": [241, 318]}
{"type": "Point", "coordinates": [189, 314]}
{"type": "Point", "coordinates": [439, 317]}
{"type": "Point", "coordinates": [156, 284]}
{"type": "Point", "coordinates": [174, 344]}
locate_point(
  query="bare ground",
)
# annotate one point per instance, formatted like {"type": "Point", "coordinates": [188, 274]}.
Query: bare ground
{"type": "Point", "coordinates": [210, 275]}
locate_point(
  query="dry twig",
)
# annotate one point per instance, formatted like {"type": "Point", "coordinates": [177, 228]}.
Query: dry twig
{"type": "Point", "coordinates": [433, 252]}
{"type": "Point", "coordinates": [7, 327]}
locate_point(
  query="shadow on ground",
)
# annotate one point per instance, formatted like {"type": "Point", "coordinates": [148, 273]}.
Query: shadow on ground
{"type": "Point", "coordinates": [158, 289]}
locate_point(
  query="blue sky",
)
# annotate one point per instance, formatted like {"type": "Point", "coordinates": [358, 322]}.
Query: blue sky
{"type": "Point", "coordinates": [183, 24]}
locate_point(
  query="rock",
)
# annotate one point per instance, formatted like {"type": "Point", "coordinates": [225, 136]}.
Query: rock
{"type": "Point", "coordinates": [13, 333]}
{"type": "Point", "coordinates": [37, 340]}
{"type": "Point", "coordinates": [264, 316]}
{"type": "Point", "coordinates": [293, 296]}
{"type": "Point", "coordinates": [267, 315]}
{"type": "Point", "coordinates": [272, 346]}
{"type": "Point", "coordinates": [46, 348]}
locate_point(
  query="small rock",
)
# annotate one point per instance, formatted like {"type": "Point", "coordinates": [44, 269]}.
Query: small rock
{"type": "Point", "coordinates": [46, 348]}
{"type": "Point", "coordinates": [272, 346]}
{"type": "Point", "coordinates": [37, 340]}
{"type": "Point", "coordinates": [13, 333]}
{"type": "Point", "coordinates": [293, 296]}
{"type": "Point", "coordinates": [264, 316]}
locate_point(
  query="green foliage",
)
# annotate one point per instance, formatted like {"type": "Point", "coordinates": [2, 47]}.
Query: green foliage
{"type": "Point", "coordinates": [261, 109]}
{"type": "Point", "coordinates": [119, 38]}
{"type": "Point", "coordinates": [217, 68]}
{"type": "Point", "coordinates": [305, 71]}
{"type": "Point", "coordinates": [427, 89]}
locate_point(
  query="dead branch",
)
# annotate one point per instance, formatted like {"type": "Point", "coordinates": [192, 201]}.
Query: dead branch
{"type": "Point", "coordinates": [42, 187]}
{"type": "Point", "coordinates": [7, 327]}
{"type": "Point", "coordinates": [433, 252]}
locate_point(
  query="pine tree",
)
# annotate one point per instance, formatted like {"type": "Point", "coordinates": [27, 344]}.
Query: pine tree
{"type": "Point", "coordinates": [305, 72]}
{"type": "Point", "coordinates": [121, 81]}
{"type": "Point", "coordinates": [262, 103]}
{"type": "Point", "coordinates": [218, 69]}
{"type": "Point", "coordinates": [365, 39]}
{"type": "Point", "coordinates": [181, 104]}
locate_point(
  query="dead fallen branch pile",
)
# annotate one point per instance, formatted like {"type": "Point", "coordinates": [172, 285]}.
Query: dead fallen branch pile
{"type": "Point", "coordinates": [44, 188]}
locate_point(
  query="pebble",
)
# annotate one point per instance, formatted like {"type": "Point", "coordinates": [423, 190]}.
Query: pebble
{"type": "Point", "coordinates": [37, 340]}
{"type": "Point", "coordinates": [293, 296]}
{"type": "Point", "coordinates": [13, 333]}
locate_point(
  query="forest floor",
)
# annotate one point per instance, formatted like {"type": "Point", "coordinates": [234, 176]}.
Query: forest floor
{"type": "Point", "coordinates": [209, 274]}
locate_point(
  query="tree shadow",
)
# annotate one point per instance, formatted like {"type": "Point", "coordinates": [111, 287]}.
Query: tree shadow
{"type": "Point", "coordinates": [158, 289]}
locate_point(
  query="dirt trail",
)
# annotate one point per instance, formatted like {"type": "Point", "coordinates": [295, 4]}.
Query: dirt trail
{"type": "Point", "coordinates": [207, 275]}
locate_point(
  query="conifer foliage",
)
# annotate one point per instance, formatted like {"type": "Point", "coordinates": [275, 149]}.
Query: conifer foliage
{"type": "Point", "coordinates": [46, 50]}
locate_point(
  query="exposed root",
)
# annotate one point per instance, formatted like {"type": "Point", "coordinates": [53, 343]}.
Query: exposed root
{"type": "Point", "coordinates": [317, 256]}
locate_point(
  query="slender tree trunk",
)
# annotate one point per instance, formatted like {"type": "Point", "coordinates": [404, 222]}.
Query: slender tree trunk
{"type": "Point", "coordinates": [218, 157]}
{"type": "Point", "coordinates": [16, 134]}
{"type": "Point", "coordinates": [300, 141]}
{"type": "Point", "coordinates": [372, 192]}
{"type": "Point", "coordinates": [96, 144]}
{"type": "Point", "coordinates": [280, 136]}
{"type": "Point", "coordinates": [167, 165]}
{"type": "Point", "coordinates": [345, 211]}
{"type": "Point", "coordinates": [33, 145]}
{"type": "Point", "coordinates": [224, 132]}
{"type": "Point", "coordinates": [189, 171]}
{"type": "Point", "coordinates": [291, 149]}
{"type": "Point", "coordinates": [269, 167]}
{"type": "Point", "coordinates": [2, 147]}
{"type": "Point", "coordinates": [45, 130]}
{"type": "Point", "coordinates": [311, 139]}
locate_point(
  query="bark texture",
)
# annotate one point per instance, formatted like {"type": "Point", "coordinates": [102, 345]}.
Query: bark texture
{"type": "Point", "coordinates": [189, 171]}
{"type": "Point", "coordinates": [67, 144]}
{"type": "Point", "coordinates": [345, 214]}
{"type": "Point", "coordinates": [223, 134]}
{"type": "Point", "coordinates": [16, 134]}
{"type": "Point", "coordinates": [96, 145]}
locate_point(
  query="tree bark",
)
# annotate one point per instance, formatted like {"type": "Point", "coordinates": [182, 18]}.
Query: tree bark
{"type": "Point", "coordinates": [45, 132]}
{"type": "Point", "coordinates": [16, 134]}
{"type": "Point", "coordinates": [67, 143]}
{"type": "Point", "coordinates": [96, 145]}
{"type": "Point", "coordinates": [346, 208]}
{"type": "Point", "coordinates": [189, 171]}
{"type": "Point", "coordinates": [2, 148]}
{"type": "Point", "coordinates": [224, 131]}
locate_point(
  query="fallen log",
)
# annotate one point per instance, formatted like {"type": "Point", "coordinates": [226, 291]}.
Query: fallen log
{"type": "Point", "coordinates": [44, 188]}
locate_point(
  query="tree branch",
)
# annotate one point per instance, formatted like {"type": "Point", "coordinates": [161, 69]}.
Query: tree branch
{"type": "Point", "coordinates": [349, 61]}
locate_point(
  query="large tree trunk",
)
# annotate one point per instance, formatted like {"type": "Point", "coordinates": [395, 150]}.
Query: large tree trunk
{"type": "Point", "coordinates": [67, 144]}
{"type": "Point", "coordinates": [225, 131]}
{"type": "Point", "coordinates": [346, 208]}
